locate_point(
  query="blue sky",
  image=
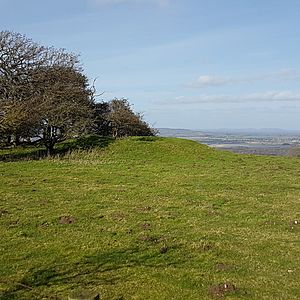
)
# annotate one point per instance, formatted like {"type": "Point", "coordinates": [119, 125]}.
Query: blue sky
{"type": "Point", "coordinates": [185, 63]}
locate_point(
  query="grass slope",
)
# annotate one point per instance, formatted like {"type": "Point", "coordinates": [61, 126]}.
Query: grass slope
{"type": "Point", "coordinates": [151, 218]}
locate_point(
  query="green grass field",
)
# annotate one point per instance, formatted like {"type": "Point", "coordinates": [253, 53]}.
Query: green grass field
{"type": "Point", "coordinates": [151, 218]}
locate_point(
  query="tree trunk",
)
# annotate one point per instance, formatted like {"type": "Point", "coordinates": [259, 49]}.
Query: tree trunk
{"type": "Point", "coordinates": [49, 140]}
{"type": "Point", "coordinates": [50, 149]}
{"type": "Point", "coordinates": [16, 140]}
{"type": "Point", "coordinates": [9, 138]}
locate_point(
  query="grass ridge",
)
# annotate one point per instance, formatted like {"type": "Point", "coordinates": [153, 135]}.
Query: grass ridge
{"type": "Point", "coordinates": [150, 218]}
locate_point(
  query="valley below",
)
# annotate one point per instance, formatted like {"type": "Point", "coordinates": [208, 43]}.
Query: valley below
{"type": "Point", "coordinates": [260, 142]}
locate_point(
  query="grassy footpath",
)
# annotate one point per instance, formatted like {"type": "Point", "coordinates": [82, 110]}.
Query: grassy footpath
{"type": "Point", "coordinates": [151, 219]}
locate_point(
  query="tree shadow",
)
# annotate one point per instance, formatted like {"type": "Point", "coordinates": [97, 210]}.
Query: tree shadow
{"type": "Point", "coordinates": [61, 149]}
{"type": "Point", "coordinates": [97, 269]}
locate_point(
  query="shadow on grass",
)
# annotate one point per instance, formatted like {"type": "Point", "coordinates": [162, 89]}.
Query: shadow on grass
{"type": "Point", "coordinates": [99, 269]}
{"type": "Point", "coordinates": [36, 153]}
{"type": "Point", "coordinates": [149, 138]}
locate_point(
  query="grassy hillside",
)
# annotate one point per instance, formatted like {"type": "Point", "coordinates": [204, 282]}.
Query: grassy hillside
{"type": "Point", "coordinates": [151, 218]}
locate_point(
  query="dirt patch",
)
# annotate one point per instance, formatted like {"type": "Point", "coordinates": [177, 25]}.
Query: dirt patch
{"type": "Point", "coordinates": [14, 223]}
{"type": "Point", "coordinates": [144, 209]}
{"type": "Point", "coordinates": [202, 246]}
{"type": "Point", "coordinates": [207, 247]}
{"type": "Point", "coordinates": [295, 223]}
{"type": "Point", "coordinates": [223, 267]}
{"type": "Point", "coordinates": [220, 290]}
{"type": "Point", "coordinates": [270, 223]}
{"type": "Point", "coordinates": [84, 294]}
{"type": "Point", "coordinates": [295, 226]}
{"type": "Point", "coordinates": [149, 238]}
{"type": "Point", "coordinates": [118, 216]}
{"type": "Point", "coordinates": [3, 212]}
{"type": "Point", "coordinates": [145, 226]}
{"type": "Point", "coordinates": [43, 225]}
{"type": "Point", "coordinates": [44, 202]}
{"type": "Point", "coordinates": [66, 220]}
{"type": "Point", "coordinates": [213, 213]}
{"type": "Point", "coordinates": [163, 250]}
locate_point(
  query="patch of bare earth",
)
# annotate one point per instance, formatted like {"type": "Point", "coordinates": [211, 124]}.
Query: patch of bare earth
{"type": "Point", "coordinates": [145, 226]}
{"type": "Point", "coordinates": [223, 267]}
{"type": "Point", "coordinates": [118, 216]}
{"type": "Point", "coordinates": [3, 212]}
{"type": "Point", "coordinates": [222, 289]}
{"type": "Point", "coordinates": [66, 220]}
{"type": "Point", "coordinates": [149, 238]}
{"type": "Point", "coordinates": [144, 209]}
{"type": "Point", "coordinates": [43, 225]}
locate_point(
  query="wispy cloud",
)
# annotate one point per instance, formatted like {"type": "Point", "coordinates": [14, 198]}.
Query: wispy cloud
{"type": "Point", "coordinates": [272, 96]}
{"type": "Point", "coordinates": [213, 80]}
{"type": "Point", "coordinates": [161, 3]}
{"type": "Point", "coordinates": [210, 80]}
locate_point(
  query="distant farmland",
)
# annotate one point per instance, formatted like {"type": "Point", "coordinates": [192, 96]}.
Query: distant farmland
{"type": "Point", "coordinates": [268, 142]}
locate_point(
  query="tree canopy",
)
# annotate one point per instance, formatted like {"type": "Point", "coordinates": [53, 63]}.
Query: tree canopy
{"type": "Point", "coordinates": [45, 95]}
{"type": "Point", "coordinates": [43, 91]}
{"type": "Point", "coordinates": [117, 118]}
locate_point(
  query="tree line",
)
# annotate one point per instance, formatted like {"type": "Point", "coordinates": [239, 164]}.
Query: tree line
{"type": "Point", "coordinates": [45, 96]}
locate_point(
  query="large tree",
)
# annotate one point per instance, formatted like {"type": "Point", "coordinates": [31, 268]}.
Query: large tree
{"type": "Point", "coordinates": [43, 91]}
{"type": "Point", "coordinates": [64, 104]}
{"type": "Point", "coordinates": [19, 56]}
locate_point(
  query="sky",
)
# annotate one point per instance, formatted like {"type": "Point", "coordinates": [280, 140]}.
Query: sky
{"type": "Point", "coordinates": [195, 64]}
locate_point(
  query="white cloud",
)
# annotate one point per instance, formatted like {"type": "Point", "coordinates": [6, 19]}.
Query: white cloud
{"type": "Point", "coordinates": [212, 80]}
{"type": "Point", "coordinates": [272, 96]}
{"type": "Point", "coordinates": [206, 80]}
{"type": "Point", "coordinates": [161, 3]}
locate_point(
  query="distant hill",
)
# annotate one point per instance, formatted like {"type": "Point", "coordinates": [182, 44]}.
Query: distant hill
{"type": "Point", "coordinates": [254, 131]}
{"type": "Point", "coordinates": [177, 132]}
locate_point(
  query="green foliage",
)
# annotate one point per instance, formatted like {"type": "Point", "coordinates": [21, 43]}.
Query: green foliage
{"type": "Point", "coordinates": [43, 92]}
{"type": "Point", "coordinates": [116, 118]}
{"type": "Point", "coordinates": [45, 95]}
{"type": "Point", "coordinates": [101, 123]}
{"type": "Point", "coordinates": [150, 218]}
